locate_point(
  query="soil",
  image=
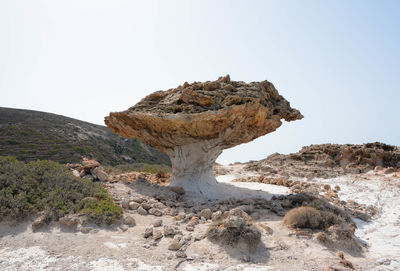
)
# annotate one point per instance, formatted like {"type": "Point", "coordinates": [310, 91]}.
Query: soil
{"type": "Point", "coordinates": [59, 247]}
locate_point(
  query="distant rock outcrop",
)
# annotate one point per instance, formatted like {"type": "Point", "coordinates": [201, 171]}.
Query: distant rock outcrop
{"type": "Point", "coordinates": [193, 123]}
{"type": "Point", "coordinates": [330, 160]}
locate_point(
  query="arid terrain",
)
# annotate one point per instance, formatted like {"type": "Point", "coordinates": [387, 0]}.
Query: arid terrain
{"type": "Point", "coordinates": [166, 229]}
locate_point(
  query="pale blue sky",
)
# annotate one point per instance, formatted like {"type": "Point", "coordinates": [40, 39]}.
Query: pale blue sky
{"type": "Point", "coordinates": [338, 62]}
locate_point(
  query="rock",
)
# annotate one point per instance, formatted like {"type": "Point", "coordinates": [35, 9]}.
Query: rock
{"type": "Point", "coordinates": [176, 243]}
{"type": "Point", "coordinates": [246, 208]}
{"type": "Point", "coordinates": [85, 229]}
{"type": "Point", "coordinates": [157, 234]}
{"type": "Point", "coordinates": [389, 170]}
{"type": "Point", "coordinates": [89, 176]}
{"type": "Point", "coordinates": [216, 216]}
{"type": "Point", "coordinates": [240, 213]}
{"type": "Point", "coordinates": [159, 205]}
{"type": "Point", "coordinates": [125, 203]}
{"type": "Point", "coordinates": [177, 189]}
{"type": "Point", "coordinates": [146, 206]}
{"type": "Point", "coordinates": [133, 205]}
{"type": "Point", "coordinates": [199, 237]}
{"type": "Point", "coordinates": [148, 232]}
{"type": "Point", "coordinates": [137, 199]}
{"type": "Point", "coordinates": [157, 223]}
{"type": "Point", "coordinates": [266, 228]}
{"type": "Point", "coordinates": [206, 213]}
{"type": "Point", "coordinates": [76, 173]}
{"type": "Point", "coordinates": [130, 221]}
{"type": "Point", "coordinates": [189, 227]}
{"type": "Point", "coordinates": [155, 212]}
{"type": "Point", "coordinates": [39, 223]}
{"type": "Point", "coordinates": [69, 220]}
{"type": "Point", "coordinates": [88, 165]}
{"type": "Point", "coordinates": [100, 173]}
{"type": "Point", "coordinates": [141, 211]}
{"type": "Point", "coordinates": [124, 227]}
{"type": "Point", "coordinates": [312, 160]}
{"type": "Point", "coordinates": [194, 124]}
{"type": "Point", "coordinates": [171, 230]}
{"type": "Point", "coordinates": [181, 254]}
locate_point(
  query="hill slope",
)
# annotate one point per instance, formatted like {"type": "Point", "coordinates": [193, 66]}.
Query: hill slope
{"type": "Point", "coordinates": [31, 135]}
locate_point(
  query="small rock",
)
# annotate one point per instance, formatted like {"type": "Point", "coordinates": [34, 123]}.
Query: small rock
{"type": "Point", "coordinates": [189, 228]}
{"type": "Point", "coordinates": [137, 199]}
{"type": "Point", "coordinates": [85, 229]}
{"type": "Point", "coordinates": [124, 227]}
{"type": "Point", "coordinates": [76, 173]}
{"type": "Point", "coordinates": [216, 216]}
{"type": "Point", "coordinates": [206, 213]}
{"type": "Point", "coordinates": [69, 220]}
{"type": "Point", "coordinates": [157, 223]}
{"type": "Point", "coordinates": [155, 212]}
{"type": "Point", "coordinates": [141, 211]}
{"type": "Point", "coordinates": [145, 206]}
{"type": "Point", "coordinates": [158, 205]}
{"type": "Point", "coordinates": [199, 237]}
{"type": "Point", "coordinates": [175, 243]}
{"type": "Point", "coordinates": [125, 203]}
{"type": "Point", "coordinates": [133, 205]}
{"type": "Point", "coordinates": [171, 230]}
{"type": "Point", "coordinates": [181, 254]}
{"type": "Point", "coordinates": [268, 229]}
{"type": "Point", "coordinates": [89, 176]}
{"type": "Point", "coordinates": [148, 232]}
{"type": "Point", "coordinates": [246, 208]}
{"type": "Point", "coordinates": [38, 223]}
{"type": "Point", "coordinates": [100, 173]}
{"type": "Point", "coordinates": [157, 234]}
{"type": "Point", "coordinates": [177, 189]}
{"type": "Point", "coordinates": [130, 221]}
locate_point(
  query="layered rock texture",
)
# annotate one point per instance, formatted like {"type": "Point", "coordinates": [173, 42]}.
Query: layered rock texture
{"type": "Point", "coordinates": [330, 160]}
{"type": "Point", "coordinates": [193, 123]}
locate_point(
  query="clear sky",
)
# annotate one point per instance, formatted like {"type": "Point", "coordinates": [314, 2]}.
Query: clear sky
{"type": "Point", "coordinates": [338, 62]}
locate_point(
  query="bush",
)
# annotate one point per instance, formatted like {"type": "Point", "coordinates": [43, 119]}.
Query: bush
{"type": "Point", "coordinates": [46, 186]}
{"type": "Point", "coordinates": [304, 217]}
{"type": "Point", "coordinates": [233, 229]}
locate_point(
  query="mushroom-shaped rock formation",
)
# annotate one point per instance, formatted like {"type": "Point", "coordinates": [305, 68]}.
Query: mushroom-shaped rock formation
{"type": "Point", "coordinates": [193, 123]}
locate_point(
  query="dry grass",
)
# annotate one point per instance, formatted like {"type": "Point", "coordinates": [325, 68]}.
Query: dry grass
{"type": "Point", "coordinates": [233, 230]}
{"type": "Point", "coordinates": [304, 217]}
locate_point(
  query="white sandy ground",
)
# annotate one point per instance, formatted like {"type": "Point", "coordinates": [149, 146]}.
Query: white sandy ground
{"type": "Point", "coordinates": [382, 233]}
{"type": "Point", "coordinates": [58, 249]}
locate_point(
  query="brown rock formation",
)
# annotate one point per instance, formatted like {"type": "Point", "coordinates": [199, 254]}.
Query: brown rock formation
{"type": "Point", "coordinates": [330, 160]}
{"type": "Point", "coordinates": [193, 123]}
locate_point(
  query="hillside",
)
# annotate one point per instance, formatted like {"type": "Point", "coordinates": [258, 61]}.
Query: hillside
{"type": "Point", "coordinates": [31, 135]}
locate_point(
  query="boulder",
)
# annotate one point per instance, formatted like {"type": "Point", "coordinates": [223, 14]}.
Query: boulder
{"type": "Point", "coordinates": [193, 123]}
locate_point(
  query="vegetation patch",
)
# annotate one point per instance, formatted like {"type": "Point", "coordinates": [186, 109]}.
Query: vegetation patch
{"type": "Point", "coordinates": [50, 188]}
{"type": "Point", "coordinates": [236, 227]}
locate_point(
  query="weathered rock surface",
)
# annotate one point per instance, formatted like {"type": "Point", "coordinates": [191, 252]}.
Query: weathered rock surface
{"type": "Point", "coordinates": [193, 123]}
{"type": "Point", "coordinates": [330, 160]}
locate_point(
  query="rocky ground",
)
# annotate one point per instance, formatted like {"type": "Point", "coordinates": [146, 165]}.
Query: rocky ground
{"type": "Point", "coordinates": [165, 229]}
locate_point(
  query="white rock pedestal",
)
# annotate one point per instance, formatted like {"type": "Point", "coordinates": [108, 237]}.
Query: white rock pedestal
{"type": "Point", "coordinates": [192, 168]}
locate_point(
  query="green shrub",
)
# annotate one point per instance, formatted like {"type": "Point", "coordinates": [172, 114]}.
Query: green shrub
{"type": "Point", "coordinates": [46, 186]}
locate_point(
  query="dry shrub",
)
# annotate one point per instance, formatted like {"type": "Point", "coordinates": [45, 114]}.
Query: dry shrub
{"type": "Point", "coordinates": [233, 230]}
{"type": "Point", "coordinates": [323, 238]}
{"type": "Point", "coordinates": [304, 217]}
